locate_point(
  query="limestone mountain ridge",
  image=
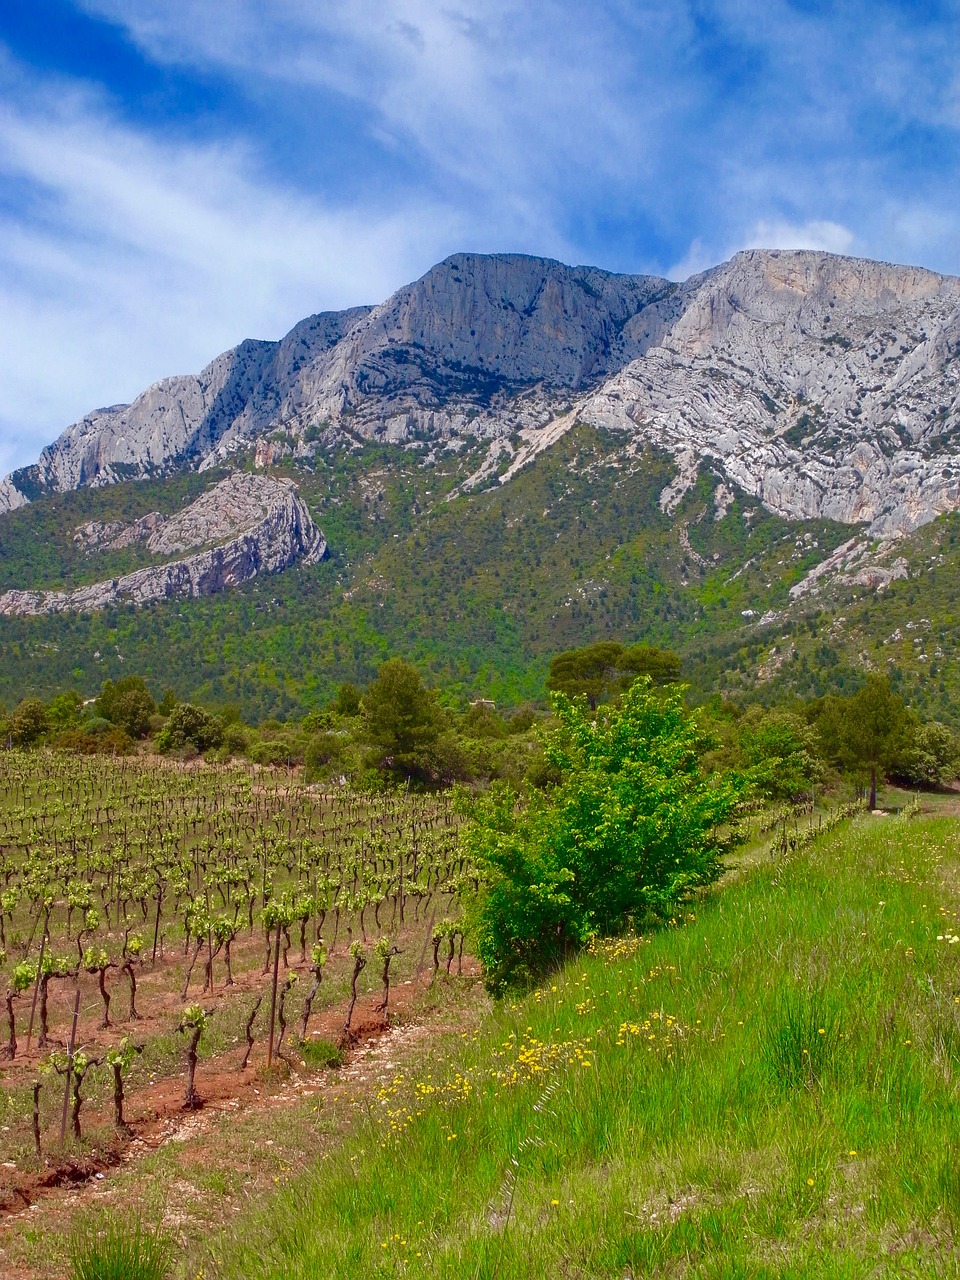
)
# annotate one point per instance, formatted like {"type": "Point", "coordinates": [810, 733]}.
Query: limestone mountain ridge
{"type": "Point", "coordinates": [242, 527]}
{"type": "Point", "coordinates": [822, 385]}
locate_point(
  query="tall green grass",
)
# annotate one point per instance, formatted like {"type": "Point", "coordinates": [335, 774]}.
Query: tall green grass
{"type": "Point", "coordinates": [117, 1249]}
{"type": "Point", "coordinates": [768, 1089]}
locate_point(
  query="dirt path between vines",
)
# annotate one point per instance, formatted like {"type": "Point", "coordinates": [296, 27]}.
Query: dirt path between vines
{"type": "Point", "coordinates": [193, 1170]}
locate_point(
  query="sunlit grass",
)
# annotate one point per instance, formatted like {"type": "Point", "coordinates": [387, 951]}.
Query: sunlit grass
{"type": "Point", "coordinates": [767, 1089]}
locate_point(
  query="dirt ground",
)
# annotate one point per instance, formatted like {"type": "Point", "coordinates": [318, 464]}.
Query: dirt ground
{"type": "Point", "coordinates": [193, 1169]}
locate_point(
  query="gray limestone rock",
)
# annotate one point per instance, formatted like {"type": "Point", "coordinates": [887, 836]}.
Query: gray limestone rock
{"type": "Point", "coordinates": [823, 386]}
{"type": "Point", "coordinates": [258, 525]}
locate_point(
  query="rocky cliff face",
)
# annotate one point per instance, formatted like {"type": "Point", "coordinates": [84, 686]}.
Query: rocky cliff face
{"type": "Point", "coordinates": [822, 385]}
{"type": "Point", "coordinates": [247, 526]}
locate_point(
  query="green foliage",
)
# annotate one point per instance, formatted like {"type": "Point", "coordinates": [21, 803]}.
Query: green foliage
{"type": "Point", "coordinates": [871, 730]}
{"type": "Point", "coordinates": [402, 721]}
{"type": "Point", "coordinates": [781, 751]}
{"type": "Point", "coordinates": [127, 703]}
{"type": "Point", "coordinates": [190, 725]}
{"type": "Point", "coordinates": [600, 671]}
{"type": "Point", "coordinates": [319, 1053]}
{"type": "Point", "coordinates": [802, 1038]}
{"type": "Point", "coordinates": [65, 710]}
{"type": "Point", "coordinates": [28, 723]}
{"type": "Point", "coordinates": [481, 721]}
{"type": "Point", "coordinates": [630, 831]}
{"type": "Point", "coordinates": [323, 753]}
{"type": "Point", "coordinates": [119, 1251]}
{"type": "Point", "coordinates": [932, 757]}
{"type": "Point", "coordinates": [347, 701]}
{"type": "Point", "coordinates": [97, 737]}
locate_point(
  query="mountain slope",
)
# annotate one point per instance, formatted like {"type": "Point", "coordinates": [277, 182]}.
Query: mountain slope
{"type": "Point", "coordinates": [824, 386]}
{"type": "Point", "coordinates": [470, 334]}
{"type": "Point", "coordinates": [510, 457]}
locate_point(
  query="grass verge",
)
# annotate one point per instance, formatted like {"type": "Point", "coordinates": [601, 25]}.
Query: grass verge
{"type": "Point", "coordinates": [769, 1090]}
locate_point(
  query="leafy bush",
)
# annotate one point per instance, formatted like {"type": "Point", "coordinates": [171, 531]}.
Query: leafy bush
{"type": "Point", "coordinates": [127, 704]}
{"type": "Point", "coordinates": [96, 726]}
{"type": "Point", "coordinates": [347, 702]}
{"type": "Point", "coordinates": [932, 757]}
{"type": "Point", "coordinates": [279, 750]}
{"type": "Point", "coordinates": [633, 827]}
{"type": "Point", "coordinates": [323, 752]}
{"type": "Point", "coordinates": [480, 721]}
{"type": "Point", "coordinates": [190, 726]}
{"type": "Point", "coordinates": [781, 750]}
{"type": "Point", "coordinates": [236, 739]}
{"type": "Point", "coordinates": [28, 723]}
{"type": "Point", "coordinates": [109, 742]}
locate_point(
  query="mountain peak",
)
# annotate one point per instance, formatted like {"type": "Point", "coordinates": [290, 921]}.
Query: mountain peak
{"type": "Point", "coordinates": [819, 383]}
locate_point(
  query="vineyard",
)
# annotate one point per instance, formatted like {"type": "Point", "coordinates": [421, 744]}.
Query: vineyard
{"type": "Point", "coordinates": [153, 915]}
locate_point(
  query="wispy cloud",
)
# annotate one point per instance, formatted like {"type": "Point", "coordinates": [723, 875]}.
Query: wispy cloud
{"type": "Point", "coordinates": [374, 136]}
{"type": "Point", "coordinates": [129, 259]}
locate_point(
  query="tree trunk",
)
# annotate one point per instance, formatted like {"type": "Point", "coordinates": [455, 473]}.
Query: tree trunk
{"type": "Point", "coordinates": [873, 787]}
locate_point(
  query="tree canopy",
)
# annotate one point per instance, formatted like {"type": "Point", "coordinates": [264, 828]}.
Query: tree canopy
{"type": "Point", "coordinates": [871, 730]}
{"type": "Point", "coordinates": [402, 719]}
{"type": "Point", "coordinates": [633, 827]}
{"type": "Point", "coordinates": [600, 671]}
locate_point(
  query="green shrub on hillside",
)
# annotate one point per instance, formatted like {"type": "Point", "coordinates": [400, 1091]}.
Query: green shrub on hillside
{"type": "Point", "coordinates": [632, 828]}
{"type": "Point", "coordinates": [780, 748]}
{"type": "Point", "coordinates": [127, 704]}
{"type": "Point", "coordinates": [28, 723]}
{"type": "Point", "coordinates": [190, 726]}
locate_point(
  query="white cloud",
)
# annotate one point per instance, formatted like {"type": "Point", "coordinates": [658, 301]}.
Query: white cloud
{"type": "Point", "coordinates": [818, 233]}
{"type": "Point", "coordinates": [498, 95]}
{"type": "Point", "coordinates": [143, 259]}
{"type": "Point", "coordinates": [697, 258]}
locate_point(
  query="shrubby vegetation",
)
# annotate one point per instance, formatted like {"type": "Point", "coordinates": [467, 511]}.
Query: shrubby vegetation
{"type": "Point", "coordinates": [605, 806]}
{"type": "Point", "coordinates": [401, 730]}
{"type": "Point", "coordinates": [633, 826]}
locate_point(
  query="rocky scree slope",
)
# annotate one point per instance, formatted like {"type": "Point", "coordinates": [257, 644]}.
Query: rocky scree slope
{"type": "Point", "coordinates": [246, 525]}
{"type": "Point", "coordinates": [824, 386]}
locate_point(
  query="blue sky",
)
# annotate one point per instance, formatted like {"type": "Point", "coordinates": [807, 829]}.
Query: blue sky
{"type": "Point", "coordinates": [176, 175]}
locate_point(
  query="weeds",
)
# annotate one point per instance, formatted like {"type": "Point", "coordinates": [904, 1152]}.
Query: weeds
{"type": "Point", "coordinates": [118, 1251]}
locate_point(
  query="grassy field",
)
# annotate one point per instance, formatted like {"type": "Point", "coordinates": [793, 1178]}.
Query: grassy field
{"type": "Point", "coordinates": [767, 1089]}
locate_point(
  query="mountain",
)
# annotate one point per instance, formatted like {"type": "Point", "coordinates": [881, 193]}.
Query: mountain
{"type": "Point", "coordinates": [245, 525]}
{"type": "Point", "coordinates": [758, 466]}
{"type": "Point", "coordinates": [822, 385]}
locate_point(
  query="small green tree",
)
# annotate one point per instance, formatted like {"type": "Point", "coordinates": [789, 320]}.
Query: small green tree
{"type": "Point", "coordinates": [631, 829]}
{"type": "Point", "coordinates": [65, 710]}
{"type": "Point", "coordinates": [127, 703]}
{"type": "Point", "coordinates": [871, 730]}
{"type": "Point", "coordinates": [28, 723]}
{"type": "Point", "coordinates": [347, 701]}
{"type": "Point", "coordinates": [322, 753]}
{"type": "Point", "coordinates": [600, 671]}
{"type": "Point", "coordinates": [780, 749]}
{"type": "Point", "coordinates": [190, 725]}
{"type": "Point", "coordinates": [402, 720]}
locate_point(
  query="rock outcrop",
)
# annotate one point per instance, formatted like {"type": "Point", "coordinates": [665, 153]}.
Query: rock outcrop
{"type": "Point", "coordinates": [247, 525]}
{"type": "Point", "coordinates": [824, 386]}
